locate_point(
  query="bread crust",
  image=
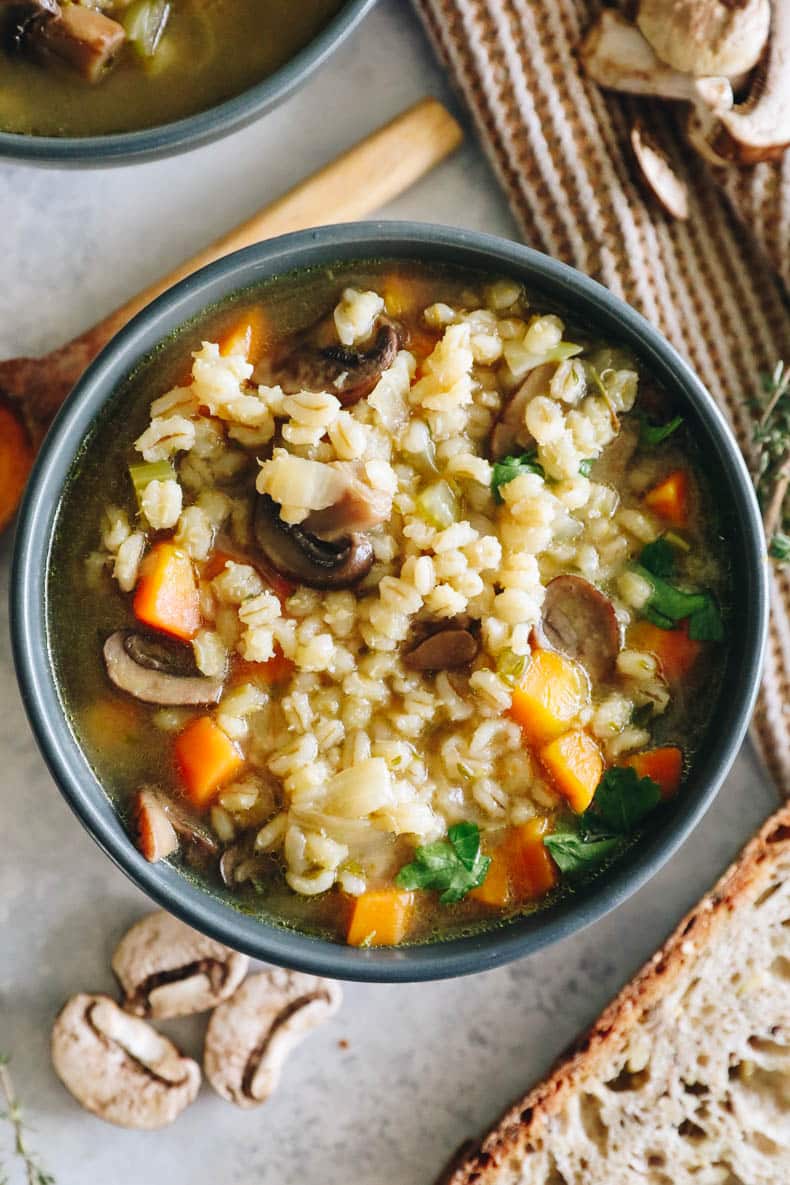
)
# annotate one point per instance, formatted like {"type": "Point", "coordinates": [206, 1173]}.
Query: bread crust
{"type": "Point", "coordinates": [522, 1124]}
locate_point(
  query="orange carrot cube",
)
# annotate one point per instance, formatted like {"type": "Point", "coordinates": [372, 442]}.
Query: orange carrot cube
{"type": "Point", "coordinates": [550, 694]}
{"type": "Point", "coordinates": [166, 597]}
{"type": "Point", "coordinates": [675, 650]}
{"type": "Point", "coordinates": [670, 498]}
{"type": "Point", "coordinates": [573, 762]}
{"type": "Point", "coordinates": [664, 766]}
{"type": "Point", "coordinates": [206, 758]}
{"type": "Point", "coordinates": [380, 917]}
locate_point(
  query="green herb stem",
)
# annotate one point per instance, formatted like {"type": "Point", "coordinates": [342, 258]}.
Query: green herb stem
{"type": "Point", "coordinates": [35, 1174]}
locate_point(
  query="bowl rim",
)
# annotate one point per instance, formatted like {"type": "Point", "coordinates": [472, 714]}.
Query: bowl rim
{"type": "Point", "coordinates": [193, 131]}
{"type": "Point", "coordinates": [69, 766]}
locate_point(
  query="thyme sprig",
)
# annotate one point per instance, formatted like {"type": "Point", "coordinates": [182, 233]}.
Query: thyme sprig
{"type": "Point", "coordinates": [772, 463]}
{"type": "Point", "coordinates": [35, 1174]}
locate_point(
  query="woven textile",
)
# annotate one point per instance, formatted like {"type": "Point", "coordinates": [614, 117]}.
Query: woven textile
{"type": "Point", "coordinates": [559, 145]}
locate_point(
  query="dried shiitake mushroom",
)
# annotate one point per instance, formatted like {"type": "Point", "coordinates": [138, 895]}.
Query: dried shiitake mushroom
{"type": "Point", "coordinates": [167, 969]}
{"type": "Point", "coordinates": [250, 1035]}
{"type": "Point", "coordinates": [119, 1067]}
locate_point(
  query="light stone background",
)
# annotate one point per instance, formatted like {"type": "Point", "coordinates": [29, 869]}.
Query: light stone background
{"type": "Point", "coordinates": [425, 1065]}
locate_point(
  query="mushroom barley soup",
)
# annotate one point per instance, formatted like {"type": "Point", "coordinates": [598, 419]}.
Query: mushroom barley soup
{"type": "Point", "coordinates": [388, 603]}
{"type": "Point", "coordinates": [92, 67]}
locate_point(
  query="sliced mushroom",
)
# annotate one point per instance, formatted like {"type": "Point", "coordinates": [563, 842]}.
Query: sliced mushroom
{"type": "Point", "coordinates": [658, 171]}
{"type": "Point", "coordinates": [349, 375]}
{"type": "Point", "coordinates": [616, 55]}
{"type": "Point", "coordinates": [759, 128]}
{"type": "Point", "coordinates": [167, 969]}
{"type": "Point", "coordinates": [156, 835]}
{"type": "Point", "coordinates": [119, 1067]}
{"type": "Point", "coordinates": [79, 36]}
{"type": "Point", "coordinates": [443, 650]}
{"type": "Point", "coordinates": [306, 559]}
{"type": "Point", "coordinates": [137, 664]}
{"type": "Point", "coordinates": [706, 36]}
{"type": "Point", "coordinates": [152, 810]}
{"type": "Point", "coordinates": [360, 508]}
{"type": "Point", "coordinates": [578, 620]}
{"type": "Point", "coordinates": [250, 1035]}
{"type": "Point", "coordinates": [509, 434]}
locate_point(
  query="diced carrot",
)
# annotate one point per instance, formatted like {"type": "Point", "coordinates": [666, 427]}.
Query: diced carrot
{"type": "Point", "coordinates": [674, 649]}
{"type": "Point", "coordinates": [421, 343]}
{"type": "Point", "coordinates": [167, 594]}
{"type": "Point", "coordinates": [206, 758]}
{"type": "Point", "coordinates": [550, 694]}
{"type": "Point", "coordinates": [670, 498]}
{"type": "Point", "coordinates": [215, 564]}
{"type": "Point", "coordinates": [276, 670]}
{"type": "Point", "coordinates": [664, 766]}
{"type": "Point", "coordinates": [380, 917]}
{"type": "Point", "coordinates": [249, 336]}
{"type": "Point", "coordinates": [574, 763]}
{"type": "Point", "coordinates": [521, 868]}
{"type": "Point", "coordinates": [16, 459]}
{"type": "Point", "coordinates": [533, 872]}
{"type": "Point", "coordinates": [495, 889]}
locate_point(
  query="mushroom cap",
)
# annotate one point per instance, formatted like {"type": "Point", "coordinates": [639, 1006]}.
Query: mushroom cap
{"type": "Point", "coordinates": [580, 621]}
{"type": "Point", "coordinates": [250, 1035]}
{"type": "Point", "coordinates": [658, 171]}
{"type": "Point", "coordinates": [168, 969]}
{"type": "Point", "coordinates": [759, 128]}
{"type": "Point", "coordinates": [442, 650]}
{"type": "Point", "coordinates": [149, 681]}
{"type": "Point", "coordinates": [119, 1067]}
{"type": "Point", "coordinates": [510, 432]}
{"type": "Point", "coordinates": [304, 558]}
{"type": "Point", "coordinates": [706, 36]}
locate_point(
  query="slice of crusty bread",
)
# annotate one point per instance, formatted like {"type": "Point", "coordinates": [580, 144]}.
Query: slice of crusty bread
{"type": "Point", "coordinates": [685, 1077]}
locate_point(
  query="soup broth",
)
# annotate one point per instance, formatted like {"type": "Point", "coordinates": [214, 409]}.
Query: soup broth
{"type": "Point", "coordinates": [210, 51]}
{"type": "Point", "coordinates": [427, 586]}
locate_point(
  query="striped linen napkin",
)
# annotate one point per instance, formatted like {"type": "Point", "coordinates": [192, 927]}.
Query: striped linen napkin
{"type": "Point", "coordinates": [559, 145]}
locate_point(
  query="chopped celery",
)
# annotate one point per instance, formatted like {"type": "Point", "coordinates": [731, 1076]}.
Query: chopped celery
{"type": "Point", "coordinates": [148, 471]}
{"type": "Point", "coordinates": [144, 22]}
{"type": "Point", "coordinates": [510, 666]}
{"type": "Point", "coordinates": [438, 505]}
{"type": "Point", "coordinates": [520, 359]}
{"type": "Point", "coordinates": [419, 449]}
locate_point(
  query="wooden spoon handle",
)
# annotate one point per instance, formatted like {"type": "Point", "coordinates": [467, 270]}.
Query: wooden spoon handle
{"type": "Point", "coordinates": [359, 181]}
{"type": "Point", "coordinates": [371, 173]}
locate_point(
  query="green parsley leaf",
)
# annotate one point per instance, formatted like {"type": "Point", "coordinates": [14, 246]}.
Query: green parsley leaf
{"type": "Point", "coordinates": [510, 467]}
{"type": "Point", "coordinates": [452, 866]}
{"type": "Point", "coordinates": [658, 557]}
{"type": "Point", "coordinates": [652, 434]}
{"type": "Point", "coordinates": [465, 838]}
{"type": "Point", "coordinates": [706, 624]}
{"type": "Point", "coordinates": [668, 605]}
{"type": "Point", "coordinates": [622, 800]}
{"type": "Point", "coordinates": [574, 854]}
{"type": "Point", "coordinates": [585, 466]}
{"type": "Point", "coordinates": [671, 602]}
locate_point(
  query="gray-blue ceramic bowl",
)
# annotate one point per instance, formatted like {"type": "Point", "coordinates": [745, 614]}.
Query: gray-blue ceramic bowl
{"type": "Point", "coordinates": [588, 302]}
{"type": "Point", "coordinates": [196, 130]}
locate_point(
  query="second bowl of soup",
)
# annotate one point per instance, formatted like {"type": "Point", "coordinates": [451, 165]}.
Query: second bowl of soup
{"type": "Point", "coordinates": [390, 601]}
{"type": "Point", "coordinates": [91, 83]}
